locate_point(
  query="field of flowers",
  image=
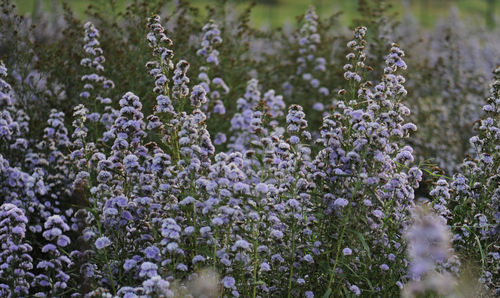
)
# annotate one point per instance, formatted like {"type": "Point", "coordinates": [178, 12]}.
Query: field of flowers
{"type": "Point", "coordinates": [162, 152]}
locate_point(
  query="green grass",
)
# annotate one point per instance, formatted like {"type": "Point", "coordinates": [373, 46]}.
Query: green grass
{"type": "Point", "coordinates": [285, 11]}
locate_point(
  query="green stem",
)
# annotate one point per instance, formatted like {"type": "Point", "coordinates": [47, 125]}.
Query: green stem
{"type": "Point", "coordinates": [109, 272]}
{"type": "Point", "coordinates": [291, 264]}
{"type": "Point", "coordinates": [256, 259]}
{"type": "Point", "coordinates": [339, 245]}
{"type": "Point", "coordinates": [215, 249]}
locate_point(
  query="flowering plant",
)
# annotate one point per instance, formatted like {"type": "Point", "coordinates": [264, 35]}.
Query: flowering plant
{"type": "Point", "coordinates": [188, 164]}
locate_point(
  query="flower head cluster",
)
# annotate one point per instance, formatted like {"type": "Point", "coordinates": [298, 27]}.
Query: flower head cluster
{"type": "Point", "coordinates": [356, 58]}
{"type": "Point", "coordinates": [95, 84]}
{"type": "Point", "coordinates": [15, 259]}
{"type": "Point", "coordinates": [211, 38]}
{"type": "Point", "coordinates": [159, 43]}
{"type": "Point", "coordinates": [10, 129]}
{"type": "Point", "coordinates": [54, 279]}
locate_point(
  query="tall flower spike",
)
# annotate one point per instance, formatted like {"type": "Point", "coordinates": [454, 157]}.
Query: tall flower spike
{"type": "Point", "coordinates": [79, 134]}
{"type": "Point", "coordinates": [198, 96]}
{"type": "Point", "coordinates": [94, 62]}
{"type": "Point", "coordinates": [129, 126]}
{"type": "Point", "coordinates": [159, 68]}
{"type": "Point", "coordinates": [296, 123]}
{"type": "Point", "coordinates": [54, 279]}
{"type": "Point", "coordinates": [211, 38]}
{"type": "Point", "coordinates": [8, 126]}
{"type": "Point", "coordinates": [15, 261]}
{"type": "Point", "coordinates": [14, 122]}
{"type": "Point", "coordinates": [215, 87]}
{"type": "Point", "coordinates": [180, 88]}
{"type": "Point", "coordinates": [357, 56]}
{"type": "Point", "coordinates": [95, 84]}
{"type": "Point", "coordinates": [56, 144]}
{"type": "Point", "coordinates": [240, 123]}
{"type": "Point", "coordinates": [159, 41]}
{"type": "Point", "coordinates": [5, 88]}
{"type": "Point", "coordinates": [308, 41]}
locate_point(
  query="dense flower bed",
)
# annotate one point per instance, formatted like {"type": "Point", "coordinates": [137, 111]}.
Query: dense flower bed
{"type": "Point", "coordinates": [208, 158]}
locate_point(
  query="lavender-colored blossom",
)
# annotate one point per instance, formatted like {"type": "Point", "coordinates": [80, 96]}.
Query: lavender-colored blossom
{"type": "Point", "coordinates": [340, 202]}
{"type": "Point", "coordinates": [347, 251]}
{"type": "Point", "coordinates": [229, 282]}
{"type": "Point", "coordinates": [265, 267]}
{"type": "Point", "coordinates": [355, 289]}
{"type": "Point", "coordinates": [102, 242]}
{"type": "Point", "coordinates": [243, 244]}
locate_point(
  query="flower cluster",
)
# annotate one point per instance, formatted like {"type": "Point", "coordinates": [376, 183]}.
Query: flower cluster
{"type": "Point", "coordinates": [211, 37]}
{"type": "Point", "coordinates": [201, 179]}
{"type": "Point", "coordinates": [15, 271]}
{"type": "Point", "coordinates": [471, 200]}
{"type": "Point", "coordinates": [95, 84]}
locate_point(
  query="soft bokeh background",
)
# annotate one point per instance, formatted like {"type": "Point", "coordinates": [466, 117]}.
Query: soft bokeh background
{"type": "Point", "coordinates": [275, 13]}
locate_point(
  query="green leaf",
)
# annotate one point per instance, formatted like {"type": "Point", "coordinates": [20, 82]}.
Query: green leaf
{"type": "Point", "coordinates": [327, 293]}
{"type": "Point", "coordinates": [363, 242]}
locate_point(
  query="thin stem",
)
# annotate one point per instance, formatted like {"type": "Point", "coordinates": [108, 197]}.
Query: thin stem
{"type": "Point", "coordinates": [291, 265]}
{"type": "Point", "coordinates": [256, 259]}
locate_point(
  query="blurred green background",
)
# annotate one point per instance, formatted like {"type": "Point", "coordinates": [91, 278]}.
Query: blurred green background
{"type": "Point", "coordinates": [278, 12]}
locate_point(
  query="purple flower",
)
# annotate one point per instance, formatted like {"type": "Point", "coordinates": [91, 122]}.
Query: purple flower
{"type": "Point", "coordinates": [378, 214]}
{"type": "Point", "coordinates": [229, 282]}
{"type": "Point", "coordinates": [198, 96]}
{"type": "Point", "coordinates": [102, 242]}
{"type": "Point", "coordinates": [220, 138]}
{"type": "Point", "coordinates": [262, 188]}
{"type": "Point", "coordinates": [182, 267]}
{"type": "Point", "coordinates": [219, 108]}
{"type": "Point", "coordinates": [294, 140]}
{"type": "Point", "coordinates": [276, 234]}
{"type": "Point", "coordinates": [340, 202]}
{"type": "Point", "coordinates": [243, 244]}
{"type": "Point", "coordinates": [384, 267]}
{"type": "Point", "coordinates": [355, 290]}
{"type": "Point", "coordinates": [308, 258]}
{"type": "Point", "coordinates": [265, 267]}
{"type": "Point", "coordinates": [347, 251]}
{"type": "Point", "coordinates": [188, 200]}
{"type": "Point", "coordinates": [217, 221]}
{"type": "Point", "coordinates": [129, 264]}
{"type": "Point", "coordinates": [152, 252]}
{"type": "Point", "coordinates": [198, 259]}
{"type": "Point", "coordinates": [63, 240]}
{"type": "Point", "coordinates": [148, 269]}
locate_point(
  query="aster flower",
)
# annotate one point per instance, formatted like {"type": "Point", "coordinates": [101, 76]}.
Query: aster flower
{"type": "Point", "coordinates": [95, 84]}
{"type": "Point", "coordinates": [102, 242]}
{"type": "Point", "coordinates": [211, 38]}
{"type": "Point", "coordinates": [15, 257]}
{"type": "Point", "coordinates": [54, 279]}
{"type": "Point", "coordinates": [229, 282]}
